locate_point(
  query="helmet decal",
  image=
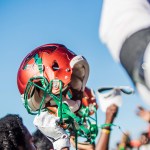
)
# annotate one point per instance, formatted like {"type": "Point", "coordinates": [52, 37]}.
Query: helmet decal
{"type": "Point", "coordinates": [36, 67]}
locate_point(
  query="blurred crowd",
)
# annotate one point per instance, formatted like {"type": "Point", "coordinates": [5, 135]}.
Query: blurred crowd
{"type": "Point", "coordinates": [15, 136]}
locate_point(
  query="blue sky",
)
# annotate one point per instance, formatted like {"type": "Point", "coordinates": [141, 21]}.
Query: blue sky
{"type": "Point", "coordinates": [26, 24]}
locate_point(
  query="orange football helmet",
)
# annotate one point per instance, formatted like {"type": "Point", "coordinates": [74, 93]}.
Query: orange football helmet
{"type": "Point", "coordinates": [53, 65]}
{"type": "Point", "coordinates": [52, 77]}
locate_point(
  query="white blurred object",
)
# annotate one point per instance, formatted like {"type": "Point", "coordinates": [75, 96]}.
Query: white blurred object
{"type": "Point", "coordinates": [144, 90]}
{"type": "Point", "coordinates": [112, 95]}
{"type": "Point", "coordinates": [116, 22]}
{"type": "Point", "coordinates": [48, 125]}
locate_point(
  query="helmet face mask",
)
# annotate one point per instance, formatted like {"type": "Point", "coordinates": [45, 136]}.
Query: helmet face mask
{"type": "Point", "coordinates": [44, 94]}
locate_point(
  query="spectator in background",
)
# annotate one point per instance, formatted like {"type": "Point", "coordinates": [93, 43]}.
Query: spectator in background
{"type": "Point", "coordinates": [143, 114]}
{"type": "Point", "coordinates": [145, 141]}
{"type": "Point", "coordinates": [14, 135]}
{"type": "Point", "coordinates": [125, 142]}
{"type": "Point", "coordinates": [142, 143]}
{"type": "Point", "coordinates": [41, 142]}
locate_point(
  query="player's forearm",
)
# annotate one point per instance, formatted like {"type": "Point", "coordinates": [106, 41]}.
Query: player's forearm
{"type": "Point", "coordinates": [103, 142]}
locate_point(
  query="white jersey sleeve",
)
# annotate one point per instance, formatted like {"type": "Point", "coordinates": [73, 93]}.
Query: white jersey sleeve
{"type": "Point", "coordinates": [120, 19]}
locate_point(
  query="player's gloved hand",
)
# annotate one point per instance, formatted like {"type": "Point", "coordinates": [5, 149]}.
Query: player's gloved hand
{"type": "Point", "coordinates": [48, 125]}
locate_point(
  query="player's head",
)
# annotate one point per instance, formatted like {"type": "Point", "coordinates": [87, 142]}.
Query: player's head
{"type": "Point", "coordinates": [14, 135]}
{"type": "Point", "coordinates": [144, 138]}
{"type": "Point", "coordinates": [49, 70]}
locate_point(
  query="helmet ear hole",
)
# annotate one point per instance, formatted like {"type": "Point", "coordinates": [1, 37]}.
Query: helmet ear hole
{"type": "Point", "coordinates": [55, 66]}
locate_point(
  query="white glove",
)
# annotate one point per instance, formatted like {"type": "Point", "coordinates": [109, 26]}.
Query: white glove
{"type": "Point", "coordinates": [110, 97]}
{"type": "Point", "coordinates": [48, 125]}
